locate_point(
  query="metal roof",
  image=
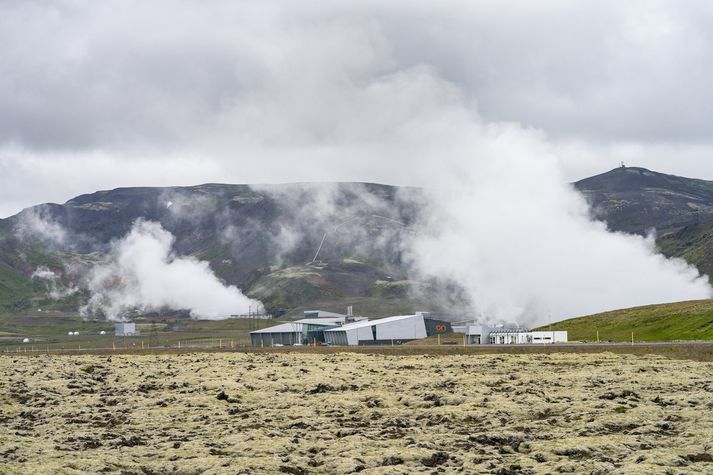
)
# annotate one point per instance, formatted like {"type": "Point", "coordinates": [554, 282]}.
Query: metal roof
{"type": "Point", "coordinates": [282, 328]}
{"type": "Point", "coordinates": [368, 323]}
{"type": "Point", "coordinates": [323, 314]}
{"type": "Point", "coordinates": [296, 326]}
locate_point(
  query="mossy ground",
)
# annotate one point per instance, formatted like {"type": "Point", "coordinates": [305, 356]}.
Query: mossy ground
{"type": "Point", "coordinates": [296, 412]}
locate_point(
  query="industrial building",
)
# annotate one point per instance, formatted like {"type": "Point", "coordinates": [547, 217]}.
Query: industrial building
{"type": "Point", "coordinates": [388, 330]}
{"type": "Point", "coordinates": [300, 332]}
{"type": "Point", "coordinates": [484, 335]}
{"type": "Point", "coordinates": [125, 329]}
{"type": "Point", "coordinates": [383, 330]}
{"type": "Point", "coordinates": [336, 329]}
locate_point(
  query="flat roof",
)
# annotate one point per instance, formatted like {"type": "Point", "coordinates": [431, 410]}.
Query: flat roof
{"type": "Point", "coordinates": [368, 323]}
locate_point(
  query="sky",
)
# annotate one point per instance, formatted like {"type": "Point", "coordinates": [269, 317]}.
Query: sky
{"type": "Point", "coordinates": [97, 95]}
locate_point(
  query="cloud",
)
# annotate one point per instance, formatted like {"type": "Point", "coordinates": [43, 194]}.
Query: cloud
{"type": "Point", "coordinates": [179, 93]}
{"type": "Point", "coordinates": [143, 274]}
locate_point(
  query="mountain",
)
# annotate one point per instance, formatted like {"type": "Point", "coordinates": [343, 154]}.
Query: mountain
{"type": "Point", "coordinates": [296, 246]}
{"type": "Point", "coordinates": [637, 200]}
{"type": "Point", "coordinates": [291, 246]}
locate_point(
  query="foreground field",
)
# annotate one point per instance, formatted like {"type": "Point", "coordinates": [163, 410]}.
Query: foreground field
{"type": "Point", "coordinates": [299, 413]}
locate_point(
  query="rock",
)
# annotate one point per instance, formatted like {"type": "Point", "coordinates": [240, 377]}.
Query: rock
{"type": "Point", "coordinates": [438, 458]}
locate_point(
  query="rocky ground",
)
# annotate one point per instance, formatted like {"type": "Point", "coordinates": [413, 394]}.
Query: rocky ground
{"type": "Point", "coordinates": [355, 413]}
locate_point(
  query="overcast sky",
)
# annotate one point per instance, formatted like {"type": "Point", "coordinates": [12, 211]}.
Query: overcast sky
{"type": "Point", "coordinates": [96, 95]}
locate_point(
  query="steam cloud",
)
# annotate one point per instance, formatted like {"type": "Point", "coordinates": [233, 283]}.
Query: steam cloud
{"type": "Point", "coordinates": [54, 288]}
{"type": "Point", "coordinates": [37, 223]}
{"type": "Point", "coordinates": [522, 243]}
{"type": "Point", "coordinates": [142, 273]}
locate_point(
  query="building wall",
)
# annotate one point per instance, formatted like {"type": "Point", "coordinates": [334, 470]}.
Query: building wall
{"type": "Point", "coordinates": [270, 339]}
{"type": "Point", "coordinates": [510, 338]}
{"type": "Point", "coordinates": [435, 327]}
{"type": "Point", "coordinates": [406, 329]}
{"type": "Point", "coordinates": [362, 334]}
{"type": "Point", "coordinates": [481, 334]}
{"type": "Point", "coordinates": [124, 329]}
{"type": "Point", "coordinates": [550, 337]}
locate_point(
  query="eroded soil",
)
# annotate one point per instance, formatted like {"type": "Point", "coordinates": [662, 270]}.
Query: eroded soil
{"type": "Point", "coordinates": [355, 413]}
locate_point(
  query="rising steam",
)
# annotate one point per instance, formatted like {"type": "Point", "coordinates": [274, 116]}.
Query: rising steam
{"type": "Point", "coordinates": [522, 243]}
{"type": "Point", "coordinates": [55, 290]}
{"type": "Point", "coordinates": [142, 273]}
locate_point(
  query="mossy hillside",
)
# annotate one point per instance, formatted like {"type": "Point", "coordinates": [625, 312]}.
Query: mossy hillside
{"type": "Point", "coordinates": [694, 244]}
{"type": "Point", "coordinates": [691, 320]}
{"type": "Point", "coordinates": [15, 287]}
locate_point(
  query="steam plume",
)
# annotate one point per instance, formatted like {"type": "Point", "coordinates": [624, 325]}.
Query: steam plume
{"type": "Point", "coordinates": [54, 288]}
{"type": "Point", "coordinates": [142, 273]}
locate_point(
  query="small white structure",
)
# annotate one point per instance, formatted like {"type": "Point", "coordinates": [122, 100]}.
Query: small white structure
{"type": "Point", "coordinates": [384, 330]}
{"type": "Point", "coordinates": [102, 332]}
{"type": "Point", "coordinates": [558, 336]}
{"type": "Point", "coordinates": [485, 335]}
{"type": "Point", "coordinates": [125, 329]}
{"type": "Point", "coordinates": [26, 340]}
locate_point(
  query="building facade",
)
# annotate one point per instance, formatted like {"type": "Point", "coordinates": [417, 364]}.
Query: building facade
{"type": "Point", "coordinates": [484, 335]}
{"type": "Point", "coordinates": [125, 329]}
{"type": "Point", "coordinates": [306, 331]}
{"type": "Point", "coordinates": [396, 329]}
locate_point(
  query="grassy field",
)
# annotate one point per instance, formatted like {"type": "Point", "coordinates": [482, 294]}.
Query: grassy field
{"type": "Point", "coordinates": [49, 330]}
{"type": "Point", "coordinates": [669, 322]}
{"type": "Point", "coordinates": [305, 413]}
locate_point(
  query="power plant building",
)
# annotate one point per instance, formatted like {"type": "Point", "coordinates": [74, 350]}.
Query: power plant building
{"type": "Point", "coordinates": [346, 330]}
{"type": "Point", "coordinates": [484, 335]}
{"type": "Point", "coordinates": [382, 331]}
{"type": "Point", "coordinates": [300, 332]}
{"type": "Point", "coordinates": [125, 329]}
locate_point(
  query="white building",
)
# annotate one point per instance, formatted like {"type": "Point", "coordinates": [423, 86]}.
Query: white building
{"type": "Point", "coordinates": [300, 332]}
{"type": "Point", "coordinates": [125, 329]}
{"type": "Point", "coordinates": [484, 335]}
{"type": "Point", "coordinates": [384, 330]}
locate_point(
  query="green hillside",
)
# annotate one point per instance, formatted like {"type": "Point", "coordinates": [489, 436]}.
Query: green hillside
{"type": "Point", "coordinates": [693, 243]}
{"type": "Point", "coordinates": [668, 322]}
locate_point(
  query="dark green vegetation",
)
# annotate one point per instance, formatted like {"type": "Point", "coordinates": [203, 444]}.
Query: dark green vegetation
{"type": "Point", "coordinates": [677, 321]}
